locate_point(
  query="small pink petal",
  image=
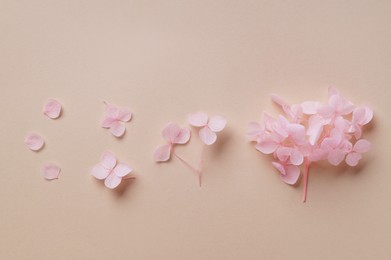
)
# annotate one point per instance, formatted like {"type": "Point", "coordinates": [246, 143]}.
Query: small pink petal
{"type": "Point", "coordinates": [112, 111]}
{"type": "Point", "coordinates": [52, 108]}
{"type": "Point", "coordinates": [100, 172]}
{"type": "Point", "coordinates": [310, 107]}
{"type": "Point", "coordinates": [34, 141]}
{"type": "Point", "coordinates": [207, 136]}
{"type": "Point", "coordinates": [335, 157]}
{"type": "Point", "coordinates": [292, 174]}
{"type": "Point", "coordinates": [362, 146]}
{"type": "Point", "coordinates": [217, 123]}
{"type": "Point", "coordinates": [162, 153]}
{"type": "Point", "coordinates": [117, 129]}
{"type": "Point", "coordinates": [170, 132]}
{"type": "Point", "coordinates": [183, 136]}
{"type": "Point", "coordinates": [107, 122]}
{"type": "Point", "coordinates": [108, 160]}
{"type": "Point", "coordinates": [352, 159]}
{"type": "Point", "coordinates": [125, 114]}
{"type": "Point", "coordinates": [198, 119]}
{"type": "Point", "coordinates": [51, 171]}
{"type": "Point", "coordinates": [283, 153]}
{"type": "Point", "coordinates": [112, 181]}
{"type": "Point", "coordinates": [122, 170]}
{"type": "Point", "coordinates": [279, 167]}
{"type": "Point", "coordinates": [278, 100]}
{"type": "Point", "coordinates": [267, 146]}
{"type": "Point", "coordinates": [296, 157]}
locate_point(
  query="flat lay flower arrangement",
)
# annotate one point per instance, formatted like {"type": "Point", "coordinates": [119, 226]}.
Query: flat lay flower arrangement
{"type": "Point", "coordinates": [310, 132]}
{"type": "Point", "coordinates": [305, 133]}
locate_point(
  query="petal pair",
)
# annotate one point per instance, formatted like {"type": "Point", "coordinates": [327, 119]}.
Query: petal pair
{"type": "Point", "coordinates": [108, 169]}
{"type": "Point", "coordinates": [209, 127]}
{"type": "Point", "coordinates": [360, 147]}
{"type": "Point", "coordinates": [114, 118]}
{"type": "Point", "coordinates": [173, 134]}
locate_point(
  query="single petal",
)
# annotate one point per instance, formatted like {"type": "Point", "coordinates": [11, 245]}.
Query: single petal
{"type": "Point", "coordinates": [255, 131]}
{"type": "Point", "coordinates": [198, 119]}
{"type": "Point", "coordinates": [315, 128]}
{"type": "Point", "coordinates": [117, 129]}
{"type": "Point", "coordinates": [278, 100]}
{"type": "Point", "coordinates": [292, 174]}
{"type": "Point", "coordinates": [296, 157]}
{"type": "Point", "coordinates": [122, 169]}
{"type": "Point", "coordinates": [183, 136]}
{"type": "Point", "coordinates": [170, 132]}
{"type": "Point", "coordinates": [279, 167]}
{"type": "Point", "coordinates": [353, 158]}
{"type": "Point", "coordinates": [108, 160]}
{"type": "Point", "coordinates": [267, 146]}
{"type": "Point", "coordinates": [112, 181]}
{"type": "Point", "coordinates": [297, 133]}
{"type": "Point", "coordinates": [51, 171]}
{"type": "Point", "coordinates": [335, 157]}
{"type": "Point", "coordinates": [368, 116]}
{"type": "Point", "coordinates": [162, 153]}
{"type": "Point", "coordinates": [34, 142]}
{"type": "Point", "coordinates": [207, 136]}
{"type": "Point", "coordinates": [217, 123]}
{"type": "Point", "coordinates": [107, 122]}
{"type": "Point", "coordinates": [310, 107]}
{"type": "Point", "coordinates": [100, 172]}
{"type": "Point", "coordinates": [52, 108]}
{"type": "Point", "coordinates": [124, 114]}
{"type": "Point", "coordinates": [362, 146]}
{"type": "Point", "coordinates": [112, 110]}
{"type": "Point", "coordinates": [283, 153]}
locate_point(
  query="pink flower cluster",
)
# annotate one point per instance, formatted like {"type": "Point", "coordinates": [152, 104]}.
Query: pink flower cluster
{"type": "Point", "coordinates": [311, 132]}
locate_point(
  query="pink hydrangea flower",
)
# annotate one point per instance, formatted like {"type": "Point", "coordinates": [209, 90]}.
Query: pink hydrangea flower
{"type": "Point", "coordinates": [311, 132]}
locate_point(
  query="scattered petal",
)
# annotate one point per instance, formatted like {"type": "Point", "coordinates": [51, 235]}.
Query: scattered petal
{"type": "Point", "coordinates": [162, 153]}
{"type": "Point", "coordinates": [217, 123]}
{"type": "Point", "coordinates": [183, 136]}
{"type": "Point", "coordinates": [198, 119]}
{"type": "Point", "coordinates": [207, 136]}
{"type": "Point", "coordinates": [352, 159]}
{"type": "Point", "coordinates": [170, 132]}
{"type": "Point", "coordinates": [362, 146]}
{"type": "Point", "coordinates": [51, 171]}
{"type": "Point", "coordinates": [108, 160]}
{"type": "Point", "coordinates": [117, 129]}
{"type": "Point", "coordinates": [52, 108]}
{"type": "Point", "coordinates": [121, 170]}
{"type": "Point", "coordinates": [100, 172]}
{"type": "Point", "coordinates": [112, 181]}
{"type": "Point", "coordinates": [34, 142]}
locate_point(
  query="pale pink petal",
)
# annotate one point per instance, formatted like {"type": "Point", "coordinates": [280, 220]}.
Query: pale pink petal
{"type": "Point", "coordinates": [107, 122]}
{"type": "Point", "coordinates": [112, 181]}
{"type": "Point", "coordinates": [269, 120]}
{"type": "Point", "coordinates": [335, 157]}
{"type": "Point", "coordinates": [51, 171]}
{"type": "Point", "coordinates": [122, 169]}
{"type": "Point", "coordinates": [278, 100]}
{"type": "Point", "coordinates": [310, 107]}
{"type": "Point", "coordinates": [34, 142]}
{"type": "Point", "coordinates": [217, 123]}
{"type": "Point", "coordinates": [125, 114]}
{"type": "Point", "coordinates": [170, 132]}
{"type": "Point", "coordinates": [117, 129]}
{"type": "Point", "coordinates": [108, 160]}
{"type": "Point", "coordinates": [368, 116]}
{"type": "Point", "coordinates": [255, 131]}
{"type": "Point", "coordinates": [358, 115]}
{"type": "Point", "coordinates": [267, 146]}
{"type": "Point", "coordinates": [183, 136]}
{"type": "Point", "coordinates": [296, 132]}
{"type": "Point", "coordinates": [162, 153]}
{"type": "Point", "coordinates": [279, 167]}
{"type": "Point", "coordinates": [198, 119]}
{"type": "Point", "coordinates": [296, 157]}
{"type": "Point", "coordinates": [52, 108]}
{"type": "Point", "coordinates": [207, 136]}
{"type": "Point", "coordinates": [100, 172]}
{"type": "Point", "coordinates": [315, 128]}
{"type": "Point", "coordinates": [292, 174]}
{"type": "Point", "coordinates": [362, 146]}
{"type": "Point", "coordinates": [112, 110]}
{"type": "Point", "coordinates": [283, 153]}
{"type": "Point", "coordinates": [352, 159]}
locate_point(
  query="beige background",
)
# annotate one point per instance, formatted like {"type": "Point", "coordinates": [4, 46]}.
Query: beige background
{"type": "Point", "coordinates": [165, 59]}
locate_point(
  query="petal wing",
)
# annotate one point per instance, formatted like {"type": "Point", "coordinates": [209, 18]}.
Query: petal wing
{"type": "Point", "coordinates": [100, 172]}
{"type": "Point", "coordinates": [122, 169]}
{"type": "Point", "coordinates": [162, 153]}
{"type": "Point", "coordinates": [198, 119]}
{"type": "Point", "coordinates": [217, 123]}
{"type": "Point", "coordinates": [207, 136]}
{"type": "Point", "coordinates": [112, 181]}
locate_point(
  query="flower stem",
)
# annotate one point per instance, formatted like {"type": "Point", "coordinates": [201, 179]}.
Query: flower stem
{"type": "Point", "coordinates": [187, 163]}
{"type": "Point", "coordinates": [306, 173]}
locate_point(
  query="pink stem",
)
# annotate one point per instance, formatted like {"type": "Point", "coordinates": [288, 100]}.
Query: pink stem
{"type": "Point", "coordinates": [306, 173]}
{"type": "Point", "coordinates": [186, 163]}
{"type": "Point", "coordinates": [200, 167]}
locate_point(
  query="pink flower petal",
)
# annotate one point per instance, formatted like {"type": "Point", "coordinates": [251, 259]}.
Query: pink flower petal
{"type": "Point", "coordinates": [279, 167]}
{"type": "Point", "coordinates": [198, 119]}
{"type": "Point", "coordinates": [283, 153]}
{"type": "Point", "coordinates": [335, 157]}
{"type": "Point", "coordinates": [292, 174]}
{"type": "Point", "coordinates": [170, 132]}
{"type": "Point", "coordinates": [267, 146]}
{"type": "Point", "coordinates": [107, 122]}
{"type": "Point", "coordinates": [117, 129]}
{"type": "Point", "coordinates": [112, 111]}
{"type": "Point", "coordinates": [310, 107]}
{"type": "Point", "coordinates": [51, 171]}
{"type": "Point", "coordinates": [162, 153]}
{"type": "Point", "coordinates": [125, 114]}
{"type": "Point", "coordinates": [296, 157]}
{"type": "Point", "coordinates": [352, 159]}
{"type": "Point", "coordinates": [108, 160]}
{"type": "Point", "coordinates": [183, 136]}
{"type": "Point", "coordinates": [207, 136]}
{"type": "Point", "coordinates": [362, 146]}
{"type": "Point", "coordinates": [100, 172]}
{"type": "Point", "coordinates": [34, 141]}
{"type": "Point", "coordinates": [217, 123]}
{"type": "Point", "coordinates": [112, 181]}
{"type": "Point", "coordinates": [122, 169]}
{"type": "Point", "coordinates": [52, 108]}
